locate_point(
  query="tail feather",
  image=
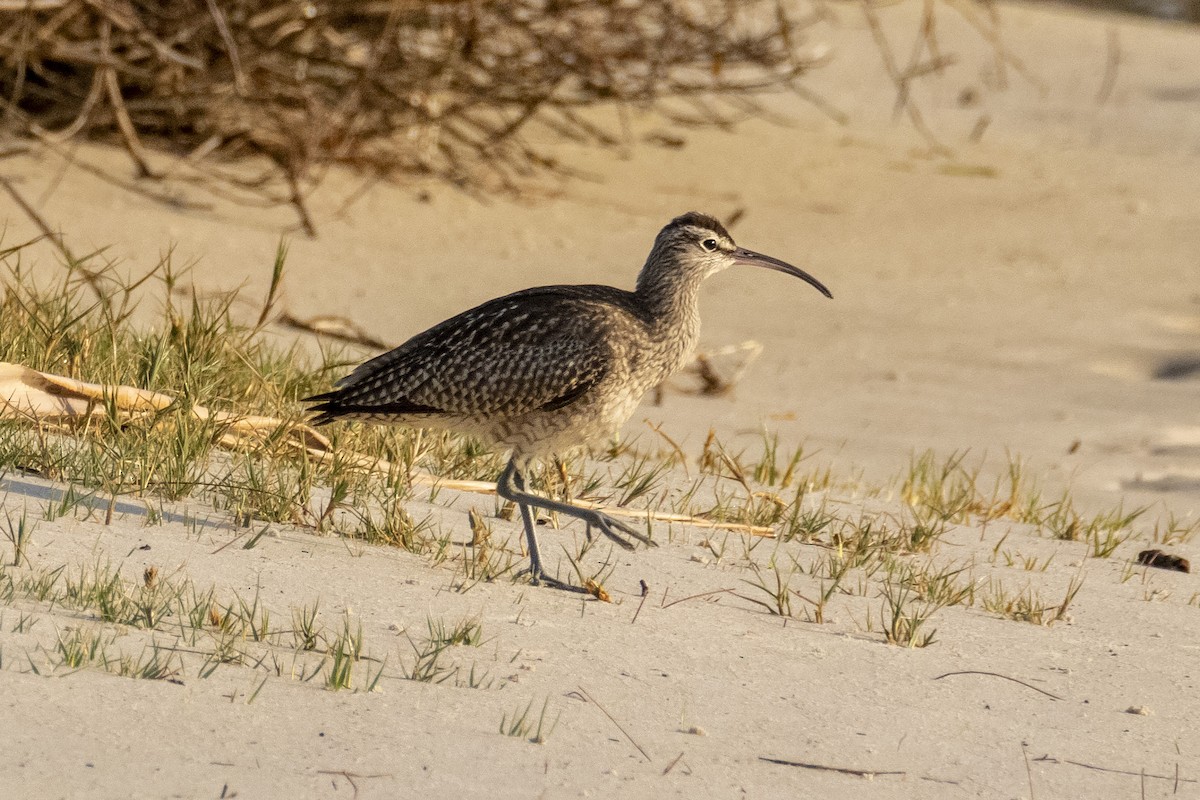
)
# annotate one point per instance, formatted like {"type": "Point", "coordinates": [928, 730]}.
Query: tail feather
{"type": "Point", "coordinates": [332, 406]}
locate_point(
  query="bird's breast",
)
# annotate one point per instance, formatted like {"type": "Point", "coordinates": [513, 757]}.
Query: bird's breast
{"type": "Point", "coordinates": [664, 350]}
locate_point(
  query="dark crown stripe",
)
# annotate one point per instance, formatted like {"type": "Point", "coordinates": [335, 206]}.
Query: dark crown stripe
{"type": "Point", "coordinates": [696, 219]}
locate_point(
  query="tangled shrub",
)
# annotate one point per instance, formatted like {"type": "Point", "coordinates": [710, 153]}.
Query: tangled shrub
{"type": "Point", "coordinates": [392, 87]}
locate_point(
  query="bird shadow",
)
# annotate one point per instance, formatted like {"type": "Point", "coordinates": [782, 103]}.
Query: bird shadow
{"type": "Point", "coordinates": [1178, 368]}
{"type": "Point", "coordinates": [95, 502]}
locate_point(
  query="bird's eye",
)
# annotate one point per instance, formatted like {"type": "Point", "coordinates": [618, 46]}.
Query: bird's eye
{"type": "Point", "coordinates": [709, 244]}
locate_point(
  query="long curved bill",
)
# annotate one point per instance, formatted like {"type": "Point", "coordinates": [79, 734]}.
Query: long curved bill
{"type": "Point", "coordinates": [753, 259]}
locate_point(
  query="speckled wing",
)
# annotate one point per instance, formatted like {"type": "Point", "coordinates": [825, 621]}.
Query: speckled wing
{"type": "Point", "coordinates": [535, 350]}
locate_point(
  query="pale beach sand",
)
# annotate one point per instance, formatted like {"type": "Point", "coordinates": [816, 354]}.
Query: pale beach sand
{"type": "Point", "coordinates": [1037, 293]}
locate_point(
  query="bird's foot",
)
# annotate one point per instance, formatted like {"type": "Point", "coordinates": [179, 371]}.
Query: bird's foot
{"type": "Point", "coordinates": [539, 578]}
{"type": "Point", "coordinates": [610, 527]}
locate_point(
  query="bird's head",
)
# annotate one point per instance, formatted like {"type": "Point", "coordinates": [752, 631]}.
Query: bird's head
{"type": "Point", "coordinates": [694, 246]}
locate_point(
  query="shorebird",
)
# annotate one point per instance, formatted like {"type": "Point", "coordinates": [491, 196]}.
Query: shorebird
{"type": "Point", "coordinates": [551, 369]}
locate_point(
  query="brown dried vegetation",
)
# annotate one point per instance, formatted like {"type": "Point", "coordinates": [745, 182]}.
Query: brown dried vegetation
{"type": "Point", "coordinates": [391, 88]}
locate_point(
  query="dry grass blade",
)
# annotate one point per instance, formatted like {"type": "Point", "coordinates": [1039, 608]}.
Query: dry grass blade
{"type": "Point", "coordinates": [613, 719]}
{"type": "Point", "coordinates": [862, 773]}
{"type": "Point", "coordinates": [1174, 778]}
{"type": "Point", "coordinates": [998, 675]}
{"type": "Point", "coordinates": [340, 328]}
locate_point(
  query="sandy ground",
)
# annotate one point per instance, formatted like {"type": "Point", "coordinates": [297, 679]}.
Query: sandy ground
{"type": "Point", "coordinates": [1037, 293]}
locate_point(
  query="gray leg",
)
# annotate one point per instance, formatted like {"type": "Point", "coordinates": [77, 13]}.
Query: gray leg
{"type": "Point", "coordinates": [512, 487]}
{"type": "Point", "coordinates": [535, 557]}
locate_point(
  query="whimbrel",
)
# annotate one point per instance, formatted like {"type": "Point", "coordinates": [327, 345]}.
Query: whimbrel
{"type": "Point", "coordinates": [549, 369]}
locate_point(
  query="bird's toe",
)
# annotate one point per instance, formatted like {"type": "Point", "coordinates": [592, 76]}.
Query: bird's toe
{"type": "Point", "coordinates": [614, 528]}
{"type": "Point", "coordinates": [540, 578]}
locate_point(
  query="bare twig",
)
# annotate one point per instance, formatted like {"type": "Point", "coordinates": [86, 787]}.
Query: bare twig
{"type": "Point", "coordinates": [83, 118]}
{"type": "Point", "coordinates": [889, 62]}
{"type": "Point", "coordinates": [1028, 770]}
{"type": "Point", "coordinates": [979, 127]}
{"type": "Point", "coordinates": [991, 33]}
{"type": "Point", "coordinates": [926, 39]}
{"type": "Point", "coordinates": [235, 60]}
{"type": "Point", "coordinates": [642, 602]}
{"type": "Point", "coordinates": [1110, 66]}
{"type": "Point", "coordinates": [113, 87]}
{"type": "Point", "coordinates": [298, 202]}
{"type": "Point", "coordinates": [32, 5]}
